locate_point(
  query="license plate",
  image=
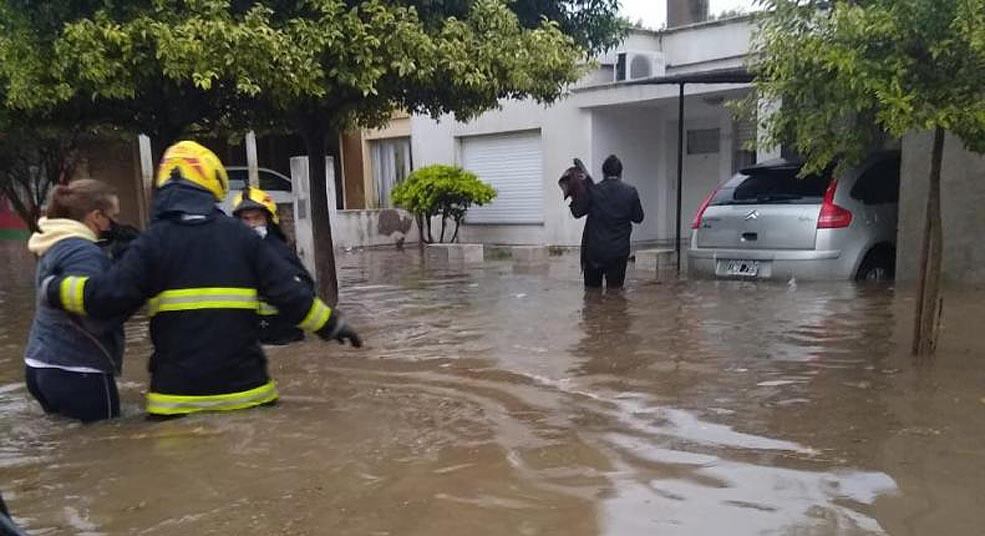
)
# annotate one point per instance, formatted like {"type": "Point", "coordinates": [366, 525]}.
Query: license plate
{"type": "Point", "coordinates": [740, 268]}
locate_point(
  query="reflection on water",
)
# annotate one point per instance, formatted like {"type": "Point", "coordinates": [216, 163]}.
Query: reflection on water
{"type": "Point", "coordinates": [505, 400]}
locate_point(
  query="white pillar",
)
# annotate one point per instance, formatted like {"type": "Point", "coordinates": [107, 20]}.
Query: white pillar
{"type": "Point", "coordinates": [146, 176]}
{"type": "Point", "coordinates": [330, 188]}
{"type": "Point", "coordinates": [253, 168]}
{"type": "Point", "coordinates": [303, 234]}
{"type": "Point", "coordinates": [146, 161]}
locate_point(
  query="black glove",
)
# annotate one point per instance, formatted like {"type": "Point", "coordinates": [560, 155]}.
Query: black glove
{"type": "Point", "coordinates": [117, 239]}
{"type": "Point", "coordinates": [340, 331]}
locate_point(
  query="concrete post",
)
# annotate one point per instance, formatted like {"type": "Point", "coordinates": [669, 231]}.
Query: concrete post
{"type": "Point", "coordinates": [253, 169]}
{"type": "Point", "coordinates": [146, 176]}
{"type": "Point", "coordinates": [304, 240]}
{"type": "Point", "coordinates": [330, 190]}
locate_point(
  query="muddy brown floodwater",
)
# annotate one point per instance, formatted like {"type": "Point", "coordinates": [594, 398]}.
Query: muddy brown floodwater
{"type": "Point", "coordinates": [505, 401]}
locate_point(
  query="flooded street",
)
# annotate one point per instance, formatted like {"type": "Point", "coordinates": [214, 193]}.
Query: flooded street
{"type": "Point", "coordinates": [503, 400]}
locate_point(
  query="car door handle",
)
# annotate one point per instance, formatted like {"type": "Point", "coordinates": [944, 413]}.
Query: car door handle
{"type": "Point", "coordinates": [750, 237]}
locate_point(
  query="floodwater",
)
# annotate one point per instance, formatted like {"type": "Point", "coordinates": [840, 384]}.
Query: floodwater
{"type": "Point", "coordinates": [502, 400]}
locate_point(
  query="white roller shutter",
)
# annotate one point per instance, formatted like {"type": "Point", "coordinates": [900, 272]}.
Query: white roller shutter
{"type": "Point", "coordinates": [513, 165]}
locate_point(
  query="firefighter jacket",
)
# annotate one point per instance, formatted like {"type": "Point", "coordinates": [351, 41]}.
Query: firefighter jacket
{"type": "Point", "coordinates": [274, 327]}
{"type": "Point", "coordinates": [200, 273]}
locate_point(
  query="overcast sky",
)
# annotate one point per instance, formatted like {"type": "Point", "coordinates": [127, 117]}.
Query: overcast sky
{"type": "Point", "coordinates": [654, 12]}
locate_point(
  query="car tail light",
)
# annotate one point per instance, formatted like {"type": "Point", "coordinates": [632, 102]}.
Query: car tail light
{"type": "Point", "coordinates": [832, 216]}
{"type": "Point", "coordinates": [696, 222]}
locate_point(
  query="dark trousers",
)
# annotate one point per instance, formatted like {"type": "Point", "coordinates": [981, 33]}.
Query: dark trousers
{"type": "Point", "coordinates": [84, 396]}
{"type": "Point", "coordinates": [614, 273]}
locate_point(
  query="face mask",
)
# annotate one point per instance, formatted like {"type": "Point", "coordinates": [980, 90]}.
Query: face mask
{"type": "Point", "coordinates": [111, 233]}
{"type": "Point", "coordinates": [116, 239]}
{"type": "Point", "coordinates": [261, 230]}
{"type": "Point", "coordinates": [119, 232]}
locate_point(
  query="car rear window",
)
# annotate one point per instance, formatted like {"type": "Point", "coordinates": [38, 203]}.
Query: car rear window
{"type": "Point", "coordinates": [268, 181]}
{"type": "Point", "coordinates": [777, 185]}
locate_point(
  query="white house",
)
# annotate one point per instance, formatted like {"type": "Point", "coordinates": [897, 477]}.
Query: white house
{"type": "Point", "coordinates": [523, 148]}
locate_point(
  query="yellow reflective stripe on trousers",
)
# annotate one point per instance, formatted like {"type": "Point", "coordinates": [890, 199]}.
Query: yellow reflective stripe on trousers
{"type": "Point", "coordinates": [72, 294]}
{"type": "Point", "coordinates": [161, 404]}
{"type": "Point", "coordinates": [317, 316]}
{"type": "Point", "coordinates": [191, 299]}
{"type": "Point", "coordinates": [265, 309]}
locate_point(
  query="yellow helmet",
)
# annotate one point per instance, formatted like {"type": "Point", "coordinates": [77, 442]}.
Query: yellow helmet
{"type": "Point", "coordinates": [196, 164]}
{"type": "Point", "coordinates": [255, 198]}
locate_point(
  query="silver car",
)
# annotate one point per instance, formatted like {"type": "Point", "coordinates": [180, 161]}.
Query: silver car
{"type": "Point", "coordinates": [767, 223]}
{"type": "Point", "coordinates": [272, 182]}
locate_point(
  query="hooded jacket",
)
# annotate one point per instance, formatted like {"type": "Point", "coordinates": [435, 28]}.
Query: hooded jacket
{"type": "Point", "coordinates": [612, 207]}
{"type": "Point", "coordinates": [57, 338]}
{"type": "Point", "coordinates": [201, 273]}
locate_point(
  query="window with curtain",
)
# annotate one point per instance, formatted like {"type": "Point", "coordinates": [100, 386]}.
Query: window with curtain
{"type": "Point", "coordinates": [391, 163]}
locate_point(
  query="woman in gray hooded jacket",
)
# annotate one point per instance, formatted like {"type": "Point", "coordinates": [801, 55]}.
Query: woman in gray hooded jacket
{"type": "Point", "coordinates": [71, 361]}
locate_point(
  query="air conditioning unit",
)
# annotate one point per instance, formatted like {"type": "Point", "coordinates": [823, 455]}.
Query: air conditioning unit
{"type": "Point", "coordinates": [639, 65]}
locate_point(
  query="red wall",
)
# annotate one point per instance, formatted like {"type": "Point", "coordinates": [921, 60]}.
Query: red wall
{"type": "Point", "coordinates": [8, 218]}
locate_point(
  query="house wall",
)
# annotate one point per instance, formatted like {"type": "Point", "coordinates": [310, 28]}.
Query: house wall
{"type": "Point", "coordinates": [643, 135]}
{"type": "Point", "coordinates": [599, 117]}
{"type": "Point", "coordinates": [564, 135]}
{"type": "Point", "coordinates": [645, 139]}
{"type": "Point", "coordinates": [711, 45]}
{"type": "Point", "coordinates": [962, 199]}
{"type": "Point", "coordinates": [637, 136]}
{"type": "Point", "coordinates": [702, 172]}
{"type": "Point", "coordinates": [373, 228]}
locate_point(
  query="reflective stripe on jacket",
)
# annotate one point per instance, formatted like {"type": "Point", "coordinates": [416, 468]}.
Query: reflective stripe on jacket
{"type": "Point", "coordinates": [275, 329]}
{"type": "Point", "coordinates": [163, 404]}
{"type": "Point", "coordinates": [201, 274]}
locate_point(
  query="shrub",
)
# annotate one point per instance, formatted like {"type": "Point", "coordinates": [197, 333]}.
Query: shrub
{"type": "Point", "coordinates": [440, 190]}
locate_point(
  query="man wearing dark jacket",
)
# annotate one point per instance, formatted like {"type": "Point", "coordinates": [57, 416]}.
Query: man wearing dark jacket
{"type": "Point", "coordinates": [612, 207]}
{"type": "Point", "coordinates": [201, 274]}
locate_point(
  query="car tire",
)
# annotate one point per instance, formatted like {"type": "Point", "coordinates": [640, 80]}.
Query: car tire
{"type": "Point", "coordinates": [878, 265]}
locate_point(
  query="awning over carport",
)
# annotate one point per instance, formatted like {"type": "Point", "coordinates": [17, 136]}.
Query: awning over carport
{"type": "Point", "coordinates": [735, 75]}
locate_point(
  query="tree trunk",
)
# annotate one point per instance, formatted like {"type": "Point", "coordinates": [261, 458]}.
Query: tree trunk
{"type": "Point", "coordinates": [444, 219]}
{"type": "Point", "coordinates": [321, 229]}
{"type": "Point", "coordinates": [458, 224]}
{"type": "Point", "coordinates": [929, 300]}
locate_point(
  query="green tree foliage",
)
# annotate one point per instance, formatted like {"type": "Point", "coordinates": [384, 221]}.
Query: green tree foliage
{"type": "Point", "coordinates": [441, 191]}
{"type": "Point", "coordinates": [842, 67]}
{"type": "Point", "coordinates": [848, 71]}
{"type": "Point", "coordinates": [170, 67]}
{"type": "Point", "coordinates": [182, 63]}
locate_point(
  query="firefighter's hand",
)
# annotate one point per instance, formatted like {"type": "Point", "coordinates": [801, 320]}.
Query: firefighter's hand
{"type": "Point", "coordinates": [346, 333]}
{"type": "Point", "coordinates": [343, 333]}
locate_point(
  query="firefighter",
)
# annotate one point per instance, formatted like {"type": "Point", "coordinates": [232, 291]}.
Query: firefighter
{"type": "Point", "coordinates": [257, 210]}
{"type": "Point", "coordinates": [200, 273]}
